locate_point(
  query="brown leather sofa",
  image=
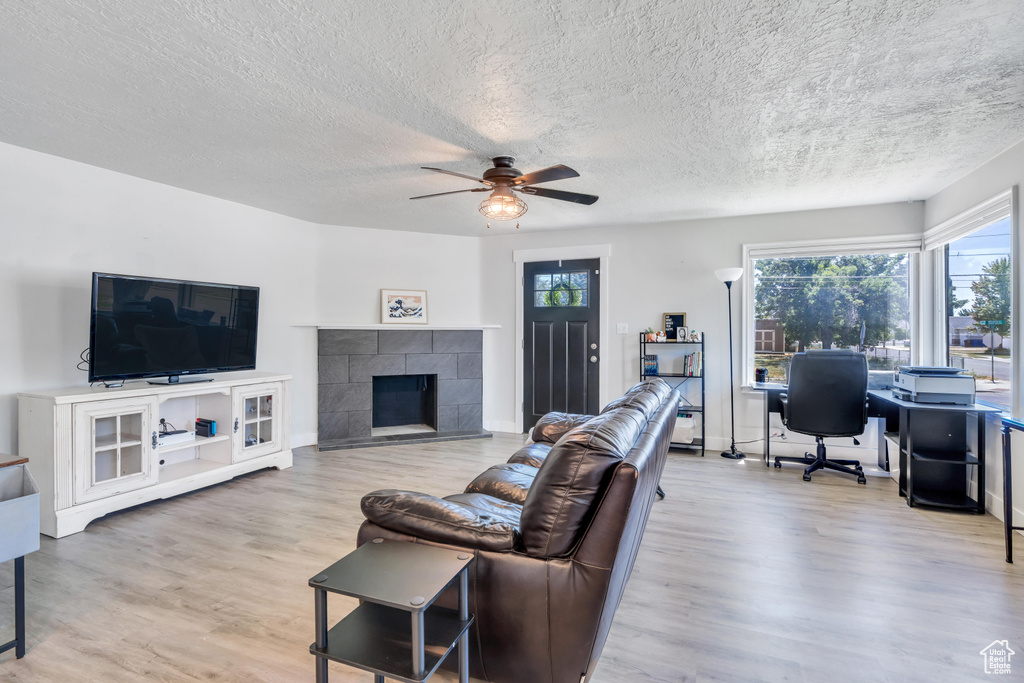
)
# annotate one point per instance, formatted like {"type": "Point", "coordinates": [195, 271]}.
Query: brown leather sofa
{"type": "Point", "coordinates": [555, 532]}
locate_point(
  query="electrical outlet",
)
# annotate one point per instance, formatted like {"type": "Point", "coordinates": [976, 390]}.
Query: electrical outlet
{"type": "Point", "coordinates": [622, 328]}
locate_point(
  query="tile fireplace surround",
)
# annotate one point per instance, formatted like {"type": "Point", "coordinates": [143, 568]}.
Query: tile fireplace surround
{"type": "Point", "coordinates": [349, 359]}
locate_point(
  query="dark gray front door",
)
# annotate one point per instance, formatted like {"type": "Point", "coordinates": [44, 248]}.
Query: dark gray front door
{"type": "Point", "coordinates": [561, 326]}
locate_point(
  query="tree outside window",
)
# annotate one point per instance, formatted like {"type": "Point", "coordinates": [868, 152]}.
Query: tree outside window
{"type": "Point", "coordinates": [856, 301]}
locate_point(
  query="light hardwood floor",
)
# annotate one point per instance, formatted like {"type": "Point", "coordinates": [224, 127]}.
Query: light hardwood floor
{"type": "Point", "coordinates": [745, 574]}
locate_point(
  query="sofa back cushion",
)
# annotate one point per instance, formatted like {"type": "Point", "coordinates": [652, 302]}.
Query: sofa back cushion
{"type": "Point", "coordinates": [644, 396]}
{"type": "Point", "coordinates": [571, 480]}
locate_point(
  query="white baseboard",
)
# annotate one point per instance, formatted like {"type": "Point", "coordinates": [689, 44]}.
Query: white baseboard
{"type": "Point", "coordinates": [300, 440]}
{"type": "Point", "coordinates": [500, 426]}
{"type": "Point", "coordinates": [792, 447]}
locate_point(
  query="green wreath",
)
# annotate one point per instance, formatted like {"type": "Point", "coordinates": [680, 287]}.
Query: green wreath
{"type": "Point", "coordinates": [563, 295]}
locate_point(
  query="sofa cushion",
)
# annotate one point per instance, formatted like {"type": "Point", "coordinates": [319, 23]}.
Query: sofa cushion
{"type": "Point", "coordinates": [470, 520]}
{"type": "Point", "coordinates": [552, 426]}
{"type": "Point", "coordinates": [573, 476]}
{"type": "Point", "coordinates": [531, 454]}
{"type": "Point", "coordinates": [508, 481]}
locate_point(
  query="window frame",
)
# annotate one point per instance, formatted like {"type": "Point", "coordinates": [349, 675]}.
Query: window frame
{"type": "Point", "coordinates": [934, 240]}
{"type": "Point", "coordinates": [842, 246]}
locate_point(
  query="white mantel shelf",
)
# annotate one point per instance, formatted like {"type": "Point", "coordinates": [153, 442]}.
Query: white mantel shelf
{"type": "Point", "coordinates": [394, 326]}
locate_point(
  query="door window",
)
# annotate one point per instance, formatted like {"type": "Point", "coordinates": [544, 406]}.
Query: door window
{"type": "Point", "coordinates": [561, 290]}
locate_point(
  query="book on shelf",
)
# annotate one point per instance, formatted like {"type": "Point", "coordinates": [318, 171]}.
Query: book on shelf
{"type": "Point", "coordinates": [693, 364]}
{"type": "Point", "coordinates": [651, 364]}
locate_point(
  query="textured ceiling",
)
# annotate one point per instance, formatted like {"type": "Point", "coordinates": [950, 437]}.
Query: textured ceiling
{"type": "Point", "coordinates": [325, 109]}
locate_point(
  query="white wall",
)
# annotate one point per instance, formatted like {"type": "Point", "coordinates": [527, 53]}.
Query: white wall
{"type": "Point", "coordinates": [353, 264]}
{"type": "Point", "coordinates": [62, 220]}
{"type": "Point", "coordinates": [668, 267]}
{"type": "Point", "coordinates": [1002, 172]}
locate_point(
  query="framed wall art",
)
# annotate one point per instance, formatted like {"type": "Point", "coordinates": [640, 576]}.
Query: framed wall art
{"type": "Point", "coordinates": [403, 306]}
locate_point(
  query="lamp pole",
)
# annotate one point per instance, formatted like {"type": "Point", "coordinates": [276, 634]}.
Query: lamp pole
{"type": "Point", "coordinates": [729, 276]}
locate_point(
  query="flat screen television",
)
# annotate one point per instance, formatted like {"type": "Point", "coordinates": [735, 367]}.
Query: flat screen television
{"type": "Point", "coordinates": [144, 327]}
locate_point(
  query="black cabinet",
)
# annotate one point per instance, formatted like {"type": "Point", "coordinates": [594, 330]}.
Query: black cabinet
{"type": "Point", "coordinates": [942, 447]}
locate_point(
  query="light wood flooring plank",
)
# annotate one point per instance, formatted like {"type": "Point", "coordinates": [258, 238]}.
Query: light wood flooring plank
{"type": "Point", "coordinates": [745, 574]}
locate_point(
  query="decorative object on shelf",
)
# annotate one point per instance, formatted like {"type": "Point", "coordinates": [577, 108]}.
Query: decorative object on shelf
{"type": "Point", "coordinates": [729, 276]}
{"type": "Point", "coordinates": [650, 335]}
{"type": "Point", "coordinates": [403, 306]}
{"type": "Point", "coordinates": [661, 336]}
{"type": "Point", "coordinates": [761, 375]}
{"type": "Point", "coordinates": [674, 322]}
{"type": "Point", "coordinates": [694, 336]}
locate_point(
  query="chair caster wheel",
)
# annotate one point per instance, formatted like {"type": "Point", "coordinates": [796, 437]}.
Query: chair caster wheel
{"type": "Point", "coordinates": [807, 477]}
{"type": "Point", "coordinates": [862, 480]}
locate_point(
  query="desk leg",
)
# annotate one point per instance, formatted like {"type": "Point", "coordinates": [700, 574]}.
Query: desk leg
{"type": "Point", "coordinates": [883, 459]}
{"type": "Point", "coordinates": [907, 463]}
{"type": "Point", "coordinates": [1007, 496]}
{"type": "Point", "coordinates": [464, 615]}
{"type": "Point", "coordinates": [767, 433]}
{"type": "Point", "coordinates": [981, 463]}
{"type": "Point", "coordinates": [320, 617]}
{"type": "Point", "coordinates": [19, 606]}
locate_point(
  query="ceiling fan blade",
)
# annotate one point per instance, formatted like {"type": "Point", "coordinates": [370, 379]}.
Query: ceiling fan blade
{"type": "Point", "coordinates": [546, 175]}
{"type": "Point", "coordinates": [575, 197]}
{"type": "Point", "coordinates": [457, 175]}
{"type": "Point", "coordinates": [438, 194]}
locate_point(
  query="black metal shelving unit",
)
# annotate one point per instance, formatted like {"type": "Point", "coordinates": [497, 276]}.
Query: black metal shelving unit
{"type": "Point", "coordinates": [686, 406]}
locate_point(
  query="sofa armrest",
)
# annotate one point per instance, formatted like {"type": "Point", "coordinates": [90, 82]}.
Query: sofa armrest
{"type": "Point", "coordinates": [552, 426]}
{"type": "Point", "coordinates": [442, 521]}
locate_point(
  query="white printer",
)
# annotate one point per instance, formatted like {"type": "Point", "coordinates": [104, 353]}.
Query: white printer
{"type": "Point", "coordinates": [927, 384]}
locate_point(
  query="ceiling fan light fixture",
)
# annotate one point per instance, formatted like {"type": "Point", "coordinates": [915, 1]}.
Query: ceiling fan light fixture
{"type": "Point", "coordinates": [502, 206]}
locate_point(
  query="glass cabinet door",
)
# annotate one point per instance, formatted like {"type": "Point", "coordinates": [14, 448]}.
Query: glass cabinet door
{"type": "Point", "coordinates": [114, 448]}
{"type": "Point", "coordinates": [256, 421]}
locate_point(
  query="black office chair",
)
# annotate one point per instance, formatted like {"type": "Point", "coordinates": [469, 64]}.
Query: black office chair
{"type": "Point", "coordinates": [827, 396]}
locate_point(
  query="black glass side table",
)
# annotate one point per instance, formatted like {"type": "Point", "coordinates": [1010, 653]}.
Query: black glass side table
{"type": "Point", "coordinates": [397, 632]}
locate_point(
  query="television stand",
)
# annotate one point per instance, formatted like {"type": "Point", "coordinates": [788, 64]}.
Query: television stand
{"type": "Point", "coordinates": [176, 379]}
{"type": "Point", "coordinates": [96, 451]}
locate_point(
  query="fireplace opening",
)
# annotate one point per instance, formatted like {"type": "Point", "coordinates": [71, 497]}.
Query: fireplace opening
{"type": "Point", "coordinates": [404, 404]}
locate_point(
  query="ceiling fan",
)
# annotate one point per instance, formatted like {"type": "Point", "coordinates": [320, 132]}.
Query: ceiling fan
{"type": "Point", "coordinates": [503, 180]}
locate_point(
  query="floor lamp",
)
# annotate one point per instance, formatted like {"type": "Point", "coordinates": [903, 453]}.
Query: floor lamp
{"type": "Point", "coordinates": [729, 276]}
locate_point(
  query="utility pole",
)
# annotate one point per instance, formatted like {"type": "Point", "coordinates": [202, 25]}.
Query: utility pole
{"type": "Point", "coordinates": [990, 324]}
{"type": "Point", "coordinates": [992, 351]}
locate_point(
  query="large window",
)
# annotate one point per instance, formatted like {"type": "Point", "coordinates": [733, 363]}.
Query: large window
{"type": "Point", "coordinates": [978, 310]}
{"type": "Point", "coordinates": [849, 301]}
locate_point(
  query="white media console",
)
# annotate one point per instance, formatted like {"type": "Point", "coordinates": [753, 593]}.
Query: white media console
{"type": "Point", "coordinates": [96, 450]}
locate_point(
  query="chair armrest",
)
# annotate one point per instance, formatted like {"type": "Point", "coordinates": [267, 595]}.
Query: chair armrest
{"type": "Point", "coordinates": [784, 403]}
{"type": "Point", "coordinates": [439, 520]}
